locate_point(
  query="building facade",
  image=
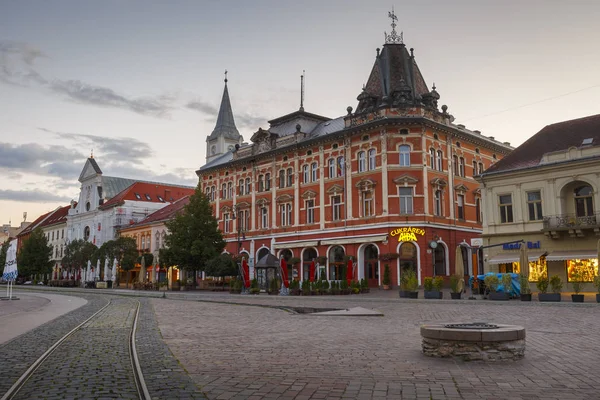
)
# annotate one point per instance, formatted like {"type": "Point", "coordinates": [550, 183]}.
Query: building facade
{"type": "Point", "coordinates": [545, 193]}
{"type": "Point", "coordinates": [394, 179]}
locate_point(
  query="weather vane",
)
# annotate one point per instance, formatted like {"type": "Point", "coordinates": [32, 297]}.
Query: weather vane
{"type": "Point", "coordinates": [393, 37]}
{"type": "Point", "coordinates": [225, 76]}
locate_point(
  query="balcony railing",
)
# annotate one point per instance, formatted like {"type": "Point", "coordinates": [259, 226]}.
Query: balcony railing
{"type": "Point", "coordinates": [571, 221]}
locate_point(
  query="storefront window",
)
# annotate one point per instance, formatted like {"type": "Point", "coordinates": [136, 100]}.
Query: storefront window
{"type": "Point", "coordinates": [538, 269]}
{"type": "Point", "coordinates": [506, 268]}
{"type": "Point", "coordinates": [582, 270]}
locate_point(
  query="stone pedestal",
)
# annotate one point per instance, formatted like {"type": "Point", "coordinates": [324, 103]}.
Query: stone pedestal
{"type": "Point", "coordinates": [506, 342]}
{"type": "Point", "coordinates": [101, 285]}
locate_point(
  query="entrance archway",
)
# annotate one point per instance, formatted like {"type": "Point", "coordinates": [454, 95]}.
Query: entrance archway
{"type": "Point", "coordinates": [440, 260]}
{"type": "Point", "coordinates": [307, 257]}
{"type": "Point", "coordinates": [407, 259]}
{"type": "Point", "coordinates": [371, 265]}
{"type": "Point", "coordinates": [336, 262]}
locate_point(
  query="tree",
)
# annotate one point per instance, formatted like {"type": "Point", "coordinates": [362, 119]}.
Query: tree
{"type": "Point", "coordinates": [222, 265]}
{"type": "Point", "coordinates": [194, 237]}
{"type": "Point", "coordinates": [3, 250]}
{"type": "Point", "coordinates": [35, 256]}
{"type": "Point", "coordinates": [77, 254]}
{"type": "Point", "coordinates": [124, 249]}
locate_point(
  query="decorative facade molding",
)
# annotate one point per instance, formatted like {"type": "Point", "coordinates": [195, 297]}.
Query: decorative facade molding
{"type": "Point", "coordinates": [405, 179]}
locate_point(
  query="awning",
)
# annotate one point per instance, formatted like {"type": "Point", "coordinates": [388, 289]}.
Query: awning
{"type": "Point", "coordinates": [572, 255]}
{"type": "Point", "coordinates": [295, 244]}
{"type": "Point", "coordinates": [350, 240]}
{"type": "Point", "coordinates": [514, 257]}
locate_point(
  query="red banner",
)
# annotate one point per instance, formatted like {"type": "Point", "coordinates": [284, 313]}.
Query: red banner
{"type": "Point", "coordinates": [311, 272]}
{"type": "Point", "coordinates": [246, 272]}
{"type": "Point", "coordinates": [284, 273]}
{"type": "Point", "coordinates": [349, 272]}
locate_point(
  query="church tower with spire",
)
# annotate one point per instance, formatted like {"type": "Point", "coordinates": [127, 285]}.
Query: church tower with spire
{"type": "Point", "coordinates": [225, 135]}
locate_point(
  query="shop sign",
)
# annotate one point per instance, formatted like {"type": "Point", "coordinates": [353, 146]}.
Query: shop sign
{"type": "Point", "coordinates": [407, 234]}
{"type": "Point", "coordinates": [517, 246]}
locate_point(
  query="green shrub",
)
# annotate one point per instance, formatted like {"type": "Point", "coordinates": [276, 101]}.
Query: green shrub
{"type": "Point", "coordinates": [386, 275]}
{"type": "Point", "coordinates": [274, 285]}
{"type": "Point", "coordinates": [556, 284]}
{"type": "Point", "coordinates": [524, 283]}
{"type": "Point", "coordinates": [254, 284]}
{"type": "Point", "coordinates": [305, 287]}
{"type": "Point", "coordinates": [438, 283]}
{"type": "Point", "coordinates": [597, 283]}
{"type": "Point", "coordinates": [507, 283]}
{"type": "Point", "coordinates": [411, 281]}
{"type": "Point", "coordinates": [428, 284]}
{"type": "Point", "coordinates": [577, 284]}
{"type": "Point", "coordinates": [364, 284]}
{"type": "Point", "coordinates": [492, 282]}
{"type": "Point", "coordinates": [343, 284]}
{"type": "Point", "coordinates": [542, 285]}
{"type": "Point", "coordinates": [454, 280]}
{"type": "Point", "coordinates": [324, 285]}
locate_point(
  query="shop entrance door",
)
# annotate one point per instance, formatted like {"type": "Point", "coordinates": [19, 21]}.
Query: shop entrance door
{"type": "Point", "coordinates": [371, 266]}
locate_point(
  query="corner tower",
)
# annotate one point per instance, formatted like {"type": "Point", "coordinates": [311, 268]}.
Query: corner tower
{"type": "Point", "coordinates": [225, 135]}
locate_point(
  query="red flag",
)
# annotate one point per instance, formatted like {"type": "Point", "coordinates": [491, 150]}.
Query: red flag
{"type": "Point", "coordinates": [284, 273]}
{"type": "Point", "coordinates": [349, 272]}
{"type": "Point", "coordinates": [246, 272]}
{"type": "Point", "coordinates": [311, 271]}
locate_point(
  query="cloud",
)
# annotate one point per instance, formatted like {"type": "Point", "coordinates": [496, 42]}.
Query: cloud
{"type": "Point", "coordinates": [42, 160]}
{"type": "Point", "coordinates": [32, 196]}
{"type": "Point", "coordinates": [111, 148]}
{"type": "Point", "coordinates": [16, 68]}
{"type": "Point", "coordinates": [250, 122]}
{"type": "Point", "coordinates": [203, 107]}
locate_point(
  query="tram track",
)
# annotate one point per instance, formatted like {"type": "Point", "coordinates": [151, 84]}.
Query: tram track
{"type": "Point", "coordinates": [68, 341]}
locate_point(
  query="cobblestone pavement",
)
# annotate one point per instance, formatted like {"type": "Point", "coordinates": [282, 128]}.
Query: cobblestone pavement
{"type": "Point", "coordinates": [94, 363]}
{"type": "Point", "coordinates": [248, 352]}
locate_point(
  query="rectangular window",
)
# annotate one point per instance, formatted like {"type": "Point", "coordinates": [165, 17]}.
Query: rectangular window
{"type": "Point", "coordinates": [261, 184]}
{"type": "Point", "coordinates": [331, 167]}
{"type": "Point", "coordinates": [406, 200]}
{"type": "Point", "coordinates": [226, 223]}
{"type": "Point", "coordinates": [242, 187]}
{"type": "Point", "coordinates": [224, 191]}
{"type": "Point", "coordinates": [286, 214]}
{"type": "Point", "coordinates": [336, 207]}
{"type": "Point", "coordinates": [440, 160]}
{"type": "Point", "coordinates": [404, 151]}
{"type": "Point", "coordinates": [461, 167]}
{"type": "Point", "coordinates": [506, 211]}
{"type": "Point", "coordinates": [267, 181]}
{"type": "Point", "coordinates": [282, 178]}
{"type": "Point", "coordinates": [480, 169]}
{"type": "Point", "coordinates": [62, 234]}
{"type": "Point", "coordinates": [340, 166]}
{"type": "Point", "coordinates": [248, 186]}
{"type": "Point", "coordinates": [361, 161]}
{"type": "Point", "coordinates": [460, 202]}
{"type": "Point", "coordinates": [314, 172]}
{"type": "Point", "coordinates": [474, 168]}
{"type": "Point", "coordinates": [432, 158]}
{"type": "Point", "coordinates": [582, 270]}
{"type": "Point", "coordinates": [290, 177]}
{"type": "Point", "coordinates": [305, 175]}
{"type": "Point", "coordinates": [534, 205]}
{"type": "Point", "coordinates": [478, 210]}
{"type": "Point", "coordinates": [264, 217]}
{"type": "Point", "coordinates": [455, 165]}
{"type": "Point", "coordinates": [230, 190]}
{"type": "Point", "coordinates": [310, 211]}
{"type": "Point", "coordinates": [437, 199]}
{"type": "Point", "coordinates": [372, 162]}
{"type": "Point", "coordinates": [367, 203]}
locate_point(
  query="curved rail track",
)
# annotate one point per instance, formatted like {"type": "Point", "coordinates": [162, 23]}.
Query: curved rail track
{"type": "Point", "coordinates": [138, 377]}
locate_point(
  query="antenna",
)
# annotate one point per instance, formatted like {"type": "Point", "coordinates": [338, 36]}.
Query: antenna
{"type": "Point", "coordinates": [92, 154]}
{"type": "Point", "coordinates": [302, 91]}
{"type": "Point", "coordinates": [25, 216]}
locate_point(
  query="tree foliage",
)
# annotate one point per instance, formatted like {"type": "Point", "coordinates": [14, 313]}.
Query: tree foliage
{"type": "Point", "coordinates": [222, 265]}
{"type": "Point", "coordinates": [77, 254]}
{"type": "Point", "coordinates": [35, 255]}
{"type": "Point", "coordinates": [194, 237]}
{"type": "Point", "coordinates": [3, 250]}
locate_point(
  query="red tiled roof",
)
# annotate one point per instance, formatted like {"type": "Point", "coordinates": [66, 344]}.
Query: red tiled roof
{"type": "Point", "coordinates": [149, 192]}
{"type": "Point", "coordinates": [555, 137]}
{"type": "Point", "coordinates": [33, 225]}
{"type": "Point", "coordinates": [57, 217]}
{"type": "Point", "coordinates": [165, 213]}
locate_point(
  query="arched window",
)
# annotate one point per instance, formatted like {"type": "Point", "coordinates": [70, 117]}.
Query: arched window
{"type": "Point", "coordinates": [224, 191]}
{"type": "Point", "coordinates": [372, 162]}
{"type": "Point", "coordinates": [305, 174]}
{"type": "Point", "coordinates": [242, 187]}
{"type": "Point", "coordinates": [478, 210]}
{"type": "Point", "coordinates": [432, 158]}
{"type": "Point", "coordinates": [267, 181]}
{"type": "Point", "coordinates": [371, 265]}
{"type": "Point", "coordinates": [86, 233]}
{"type": "Point", "coordinates": [440, 260]}
{"type": "Point", "coordinates": [361, 161]}
{"type": "Point", "coordinates": [261, 253]}
{"type": "Point", "coordinates": [248, 186]}
{"type": "Point", "coordinates": [331, 167]}
{"type": "Point", "coordinates": [230, 190]}
{"type": "Point", "coordinates": [408, 258]}
{"type": "Point", "coordinates": [290, 177]}
{"type": "Point", "coordinates": [455, 164]}
{"type": "Point", "coordinates": [286, 254]}
{"type": "Point", "coordinates": [437, 199]}
{"type": "Point", "coordinates": [281, 178]}
{"type": "Point", "coordinates": [261, 183]}
{"type": "Point", "coordinates": [404, 151]}
{"type": "Point", "coordinates": [336, 263]}
{"type": "Point", "coordinates": [213, 193]}
{"type": "Point", "coordinates": [314, 172]}
{"type": "Point", "coordinates": [584, 201]}
{"type": "Point", "coordinates": [308, 256]}
{"type": "Point", "coordinates": [340, 166]}
{"type": "Point", "coordinates": [440, 160]}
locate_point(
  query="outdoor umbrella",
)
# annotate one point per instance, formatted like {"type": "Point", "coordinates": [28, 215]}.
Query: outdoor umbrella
{"type": "Point", "coordinates": [90, 271]}
{"type": "Point", "coordinates": [524, 260]}
{"type": "Point", "coordinates": [114, 270]}
{"type": "Point", "coordinates": [106, 270]}
{"type": "Point", "coordinates": [142, 274]}
{"type": "Point", "coordinates": [349, 272]}
{"type": "Point", "coordinates": [54, 272]}
{"type": "Point", "coordinates": [98, 269]}
{"type": "Point", "coordinates": [284, 273]}
{"type": "Point", "coordinates": [10, 272]}
{"type": "Point", "coordinates": [311, 271]}
{"type": "Point", "coordinates": [459, 268]}
{"type": "Point", "coordinates": [246, 273]}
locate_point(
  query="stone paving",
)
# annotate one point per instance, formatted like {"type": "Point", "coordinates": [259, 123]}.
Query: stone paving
{"type": "Point", "coordinates": [249, 352]}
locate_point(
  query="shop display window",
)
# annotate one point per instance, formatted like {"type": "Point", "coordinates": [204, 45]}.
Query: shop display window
{"type": "Point", "coordinates": [582, 270]}
{"type": "Point", "coordinates": [507, 268]}
{"type": "Point", "coordinates": [538, 269]}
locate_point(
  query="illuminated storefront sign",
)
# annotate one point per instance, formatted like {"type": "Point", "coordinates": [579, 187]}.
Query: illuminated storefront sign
{"type": "Point", "coordinates": [408, 234]}
{"type": "Point", "coordinates": [517, 246]}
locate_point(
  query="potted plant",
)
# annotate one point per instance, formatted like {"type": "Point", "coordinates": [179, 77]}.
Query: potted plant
{"type": "Point", "coordinates": [429, 290]}
{"type": "Point", "coordinates": [412, 284]}
{"type": "Point", "coordinates": [438, 283]}
{"type": "Point", "coordinates": [364, 286]}
{"type": "Point", "coordinates": [305, 288]}
{"type": "Point", "coordinates": [274, 287]}
{"type": "Point", "coordinates": [163, 285]}
{"type": "Point", "coordinates": [254, 289]}
{"type": "Point", "coordinates": [507, 284]}
{"type": "Point", "coordinates": [492, 282]}
{"type": "Point", "coordinates": [543, 285]}
{"type": "Point", "coordinates": [577, 285]}
{"type": "Point", "coordinates": [596, 284]}
{"type": "Point", "coordinates": [455, 291]}
{"type": "Point", "coordinates": [386, 277]}
{"type": "Point", "coordinates": [324, 287]}
{"type": "Point", "coordinates": [525, 289]}
{"type": "Point", "coordinates": [294, 288]}
{"type": "Point", "coordinates": [404, 277]}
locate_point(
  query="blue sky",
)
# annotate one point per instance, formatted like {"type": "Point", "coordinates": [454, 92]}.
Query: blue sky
{"type": "Point", "coordinates": [120, 76]}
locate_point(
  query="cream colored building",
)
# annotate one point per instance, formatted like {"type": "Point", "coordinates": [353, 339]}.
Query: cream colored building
{"type": "Point", "coordinates": [546, 193]}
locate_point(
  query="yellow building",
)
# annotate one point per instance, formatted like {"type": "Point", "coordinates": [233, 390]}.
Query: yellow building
{"type": "Point", "coordinates": [545, 193]}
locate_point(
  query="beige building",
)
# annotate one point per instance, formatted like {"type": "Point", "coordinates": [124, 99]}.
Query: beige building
{"type": "Point", "coordinates": [546, 193]}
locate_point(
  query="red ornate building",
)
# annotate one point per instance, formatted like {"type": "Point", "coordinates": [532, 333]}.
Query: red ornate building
{"type": "Point", "coordinates": [393, 176]}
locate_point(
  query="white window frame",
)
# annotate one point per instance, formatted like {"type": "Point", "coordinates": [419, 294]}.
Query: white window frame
{"type": "Point", "coordinates": [461, 166]}
{"type": "Point", "coordinates": [432, 163]}
{"type": "Point", "coordinates": [368, 203]}
{"type": "Point", "coordinates": [314, 172]}
{"type": "Point", "coordinates": [290, 177]}
{"type": "Point", "coordinates": [336, 208]}
{"type": "Point", "coordinates": [440, 160]}
{"type": "Point", "coordinates": [460, 206]}
{"type": "Point", "coordinates": [404, 154]}
{"type": "Point", "coordinates": [331, 168]}
{"type": "Point", "coordinates": [264, 217]}
{"type": "Point", "coordinates": [437, 203]}
{"type": "Point", "coordinates": [226, 223]}
{"type": "Point", "coordinates": [534, 203]}
{"type": "Point", "coordinates": [310, 211]}
{"type": "Point", "coordinates": [507, 206]}
{"type": "Point", "coordinates": [406, 201]}
{"type": "Point", "coordinates": [248, 186]}
{"type": "Point", "coordinates": [305, 174]}
{"type": "Point", "coordinates": [242, 186]}
{"type": "Point", "coordinates": [372, 154]}
{"type": "Point", "coordinates": [267, 181]}
{"type": "Point", "coordinates": [361, 161]}
{"type": "Point", "coordinates": [340, 163]}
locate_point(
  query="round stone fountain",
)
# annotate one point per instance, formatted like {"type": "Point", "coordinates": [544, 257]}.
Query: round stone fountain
{"type": "Point", "coordinates": [474, 341]}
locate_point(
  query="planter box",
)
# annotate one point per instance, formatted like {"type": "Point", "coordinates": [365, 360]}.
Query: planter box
{"type": "Point", "coordinates": [526, 297]}
{"type": "Point", "coordinates": [413, 295]}
{"type": "Point", "coordinates": [554, 297]}
{"type": "Point", "coordinates": [577, 298]}
{"type": "Point", "coordinates": [433, 295]}
{"type": "Point", "coordinates": [455, 296]}
{"type": "Point", "coordinates": [598, 298]}
{"type": "Point", "coordinates": [404, 294]}
{"type": "Point", "coordinates": [498, 296]}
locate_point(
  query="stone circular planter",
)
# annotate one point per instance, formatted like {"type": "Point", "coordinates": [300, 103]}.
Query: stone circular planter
{"type": "Point", "coordinates": [470, 343]}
